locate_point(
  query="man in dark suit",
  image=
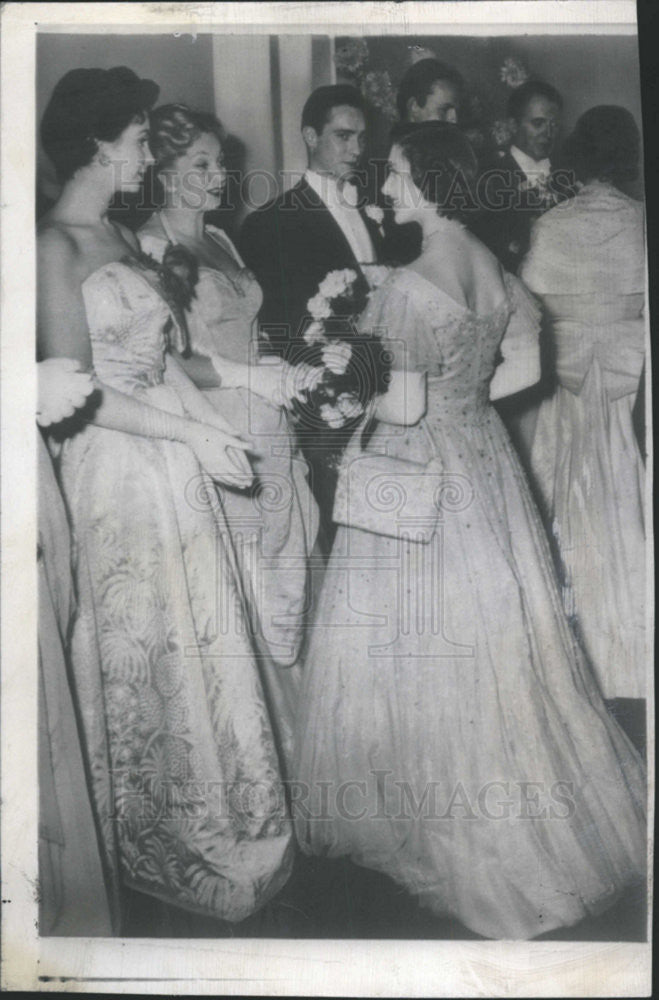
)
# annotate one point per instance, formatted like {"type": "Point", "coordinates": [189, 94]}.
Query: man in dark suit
{"type": "Point", "coordinates": [316, 227]}
{"type": "Point", "coordinates": [519, 186]}
{"type": "Point", "coordinates": [430, 91]}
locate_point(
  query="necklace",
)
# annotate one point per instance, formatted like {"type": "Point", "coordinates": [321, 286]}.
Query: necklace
{"type": "Point", "coordinates": [442, 226]}
{"type": "Point", "coordinates": [235, 282]}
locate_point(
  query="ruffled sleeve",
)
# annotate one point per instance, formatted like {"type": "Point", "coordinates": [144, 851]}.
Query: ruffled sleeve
{"type": "Point", "coordinates": [520, 346]}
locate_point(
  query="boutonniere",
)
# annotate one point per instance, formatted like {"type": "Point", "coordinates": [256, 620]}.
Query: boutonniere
{"type": "Point", "coordinates": [376, 215]}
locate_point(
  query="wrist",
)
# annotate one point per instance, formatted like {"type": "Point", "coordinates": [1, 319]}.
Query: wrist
{"type": "Point", "coordinates": [232, 374]}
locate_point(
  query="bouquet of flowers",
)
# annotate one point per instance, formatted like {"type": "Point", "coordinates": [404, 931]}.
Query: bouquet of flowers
{"type": "Point", "coordinates": [351, 367]}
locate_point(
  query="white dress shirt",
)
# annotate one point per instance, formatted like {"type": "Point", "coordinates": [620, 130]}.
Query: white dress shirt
{"type": "Point", "coordinates": [536, 170]}
{"type": "Point", "coordinates": [342, 204]}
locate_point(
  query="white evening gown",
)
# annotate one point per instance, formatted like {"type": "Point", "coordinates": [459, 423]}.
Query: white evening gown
{"type": "Point", "coordinates": [451, 733]}
{"type": "Point", "coordinates": [185, 776]}
{"type": "Point", "coordinates": [587, 262]}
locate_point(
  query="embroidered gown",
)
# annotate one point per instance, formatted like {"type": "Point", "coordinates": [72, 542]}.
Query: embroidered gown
{"type": "Point", "coordinates": [185, 773]}
{"type": "Point", "coordinates": [451, 734]}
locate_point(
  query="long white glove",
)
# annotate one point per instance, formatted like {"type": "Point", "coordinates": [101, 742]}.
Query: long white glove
{"type": "Point", "coordinates": [62, 389]}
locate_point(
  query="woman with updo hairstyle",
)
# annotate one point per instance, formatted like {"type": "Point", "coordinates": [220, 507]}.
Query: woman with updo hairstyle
{"type": "Point", "coordinates": [170, 700]}
{"type": "Point", "coordinates": [442, 677]}
{"type": "Point", "coordinates": [274, 526]}
{"type": "Point", "coordinates": [587, 264]}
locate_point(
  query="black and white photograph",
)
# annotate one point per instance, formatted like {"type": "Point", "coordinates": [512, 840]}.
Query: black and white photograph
{"type": "Point", "coordinates": [326, 412]}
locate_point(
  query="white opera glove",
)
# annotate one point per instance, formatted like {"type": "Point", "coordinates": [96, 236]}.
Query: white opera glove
{"type": "Point", "coordinates": [272, 378]}
{"type": "Point", "coordinates": [62, 389]}
{"type": "Point", "coordinates": [220, 454]}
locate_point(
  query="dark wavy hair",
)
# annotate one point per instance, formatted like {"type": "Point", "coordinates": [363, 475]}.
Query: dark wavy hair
{"type": "Point", "coordinates": [174, 128]}
{"type": "Point", "coordinates": [318, 106]}
{"type": "Point", "coordinates": [605, 145]}
{"type": "Point", "coordinates": [522, 96]}
{"type": "Point", "coordinates": [420, 79]}
{"type": "Point", "coordinates": [88, 106]}
{"type": "Point", "coordinates": [443, 165]}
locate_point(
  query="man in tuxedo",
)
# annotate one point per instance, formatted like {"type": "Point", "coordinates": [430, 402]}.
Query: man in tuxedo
{"type": "Point", "coordinates": [513, 193]}
{"type": "Point", "coordinates": [291, 244]}
{"type": "Point", "coordinates": [520, 186]}
{"type": "Point", "coordinates": [430, 91]}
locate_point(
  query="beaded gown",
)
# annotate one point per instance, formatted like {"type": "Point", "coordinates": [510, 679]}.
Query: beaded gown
{"type": "Point", "coordinates": [451, 733]}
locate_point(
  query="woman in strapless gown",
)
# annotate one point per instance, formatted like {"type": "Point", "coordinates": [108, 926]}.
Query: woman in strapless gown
{"type": "Point", "coordinates": [184, 770]}
{"type": "Point", "coordinates": [587, 263]}
{"type": "Point", "coordinates": [451, 733]}
{"type": "Point", "coordinates": [274, 526]}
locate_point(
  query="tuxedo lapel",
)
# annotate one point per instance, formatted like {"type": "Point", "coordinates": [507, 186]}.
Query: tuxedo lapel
{"type": "Point", "coordinates": [325, 235]}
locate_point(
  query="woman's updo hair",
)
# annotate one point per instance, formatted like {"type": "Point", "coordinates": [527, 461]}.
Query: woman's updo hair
{"type": "Point", "coordinates": [605, 145]}
{"type": "Point", "coordinates": [174, 127]}
{"type": "Point", "coordinates": [88, 105]}
{"type": "Point", "coordinates": [442, 162]}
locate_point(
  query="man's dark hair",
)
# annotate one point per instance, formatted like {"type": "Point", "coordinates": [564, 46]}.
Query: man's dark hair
{"type": "Point", "coordinates": [317, 110]}
{"type": "Point", "coordinates": [420, 79]}
{"type": "Point", "coordinates": [521, 97]}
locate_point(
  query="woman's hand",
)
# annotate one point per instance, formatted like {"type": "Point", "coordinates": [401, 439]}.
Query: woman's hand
{"type": "Point", "coordinates": [62, 389]}
{"type": "Point", "coordinates": [222, 455]}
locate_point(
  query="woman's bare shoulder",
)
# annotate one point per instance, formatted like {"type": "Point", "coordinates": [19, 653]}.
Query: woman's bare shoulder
{"type": "Point", "coordinates": [56, 242]}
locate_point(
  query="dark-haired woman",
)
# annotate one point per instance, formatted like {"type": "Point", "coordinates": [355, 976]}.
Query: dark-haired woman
{"type": "Point", "coordinates": [587, 263]}
{"type": "Point", "coordinates": [451, 733]}
{"type": "Point", "coordinates": [176, 727]}
{"type": "Point", "coordinates": [274, 526]}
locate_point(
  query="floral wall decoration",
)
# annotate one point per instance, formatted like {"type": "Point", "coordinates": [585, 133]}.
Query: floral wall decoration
{"type": "Point", "coordinates": [483, 115]}
{"type": "Point", "coordinates": [351, 58]}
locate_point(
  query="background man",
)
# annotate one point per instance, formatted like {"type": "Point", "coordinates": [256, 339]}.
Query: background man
{"type": "Point", "coordinates": [430, 91]}
{"type": "Point", "coordinates": [520, 186]}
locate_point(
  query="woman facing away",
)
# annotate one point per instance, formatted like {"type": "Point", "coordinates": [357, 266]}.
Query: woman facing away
{"type": "Point", "coordinates": [176, 728]}
{"type": "Point", "coordinates": [274, 526]}
{"type": "Point", "coordinates": [451, 733]}
{"type": "Point", "coordinates": [587, 263]}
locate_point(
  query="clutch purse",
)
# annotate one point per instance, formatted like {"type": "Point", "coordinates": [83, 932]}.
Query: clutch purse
{"type": "Point", "coordinates": [386, 495]}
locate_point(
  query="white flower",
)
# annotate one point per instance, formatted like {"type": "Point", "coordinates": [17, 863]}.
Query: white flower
{"type": "Point", "coordinates": [501, 132]}
{"type": "Point", "coordinates": [336, 283]}
{"type": "Point", "coordinates": [375, 274]}
{"type": "Point", "coordinates": [513, 73]}
{"type": "Point", "coordinates": [375, 213]}
{"type": "Point", "coordinates": [319, 307]}
{"type": "Point", "coordinates": [315, 332]}
{"type": "Point", "coordinates": [336, 356]}
{"type": "Point", "coordinates": [349, 405]}
{"type": "Point", "coordinates": [332, 416]}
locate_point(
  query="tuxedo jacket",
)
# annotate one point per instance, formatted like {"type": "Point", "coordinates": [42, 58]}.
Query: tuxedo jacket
{"type": "Point", "coordinates": [291, 244]}
{"type": "Point", "coordinates": [508, 211]}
